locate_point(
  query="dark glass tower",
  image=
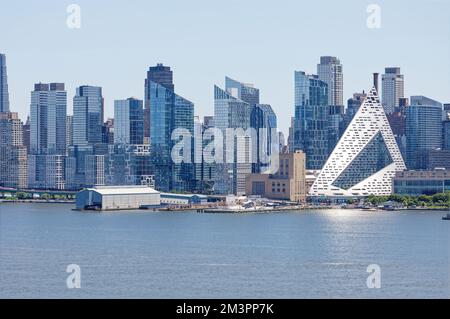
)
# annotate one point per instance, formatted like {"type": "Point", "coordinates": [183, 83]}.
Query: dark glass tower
{"type": "Point", "coordinates": [312, 119]}
{"type": "Point", "coordinates": [163, 76]}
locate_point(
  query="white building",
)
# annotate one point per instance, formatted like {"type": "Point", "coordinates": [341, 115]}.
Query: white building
{"type": "Point", "coordinates": [117, 198]}
{"type": "Point", "coordinates": [366, 158]}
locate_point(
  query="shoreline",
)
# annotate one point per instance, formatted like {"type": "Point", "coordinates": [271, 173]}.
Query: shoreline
{"type": "Point", "coordinates": [219, 210]}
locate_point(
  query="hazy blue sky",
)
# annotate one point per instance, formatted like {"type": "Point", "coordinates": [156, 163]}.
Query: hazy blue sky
{"type": "Point", "coordinates": [260, 42]}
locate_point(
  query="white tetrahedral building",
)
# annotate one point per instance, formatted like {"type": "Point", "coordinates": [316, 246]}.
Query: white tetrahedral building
{"type": "Point", "coordinates": [366, 158]}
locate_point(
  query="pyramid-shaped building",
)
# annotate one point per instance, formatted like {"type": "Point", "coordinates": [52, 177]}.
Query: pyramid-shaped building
{"type": "Point", "coordinates": [366, 158]}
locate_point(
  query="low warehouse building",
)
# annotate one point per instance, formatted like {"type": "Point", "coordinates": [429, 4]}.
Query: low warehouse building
{"type": "Point", "coordinates": [117, 198]}
{"type": "Point", "coordinates": [183, 199]}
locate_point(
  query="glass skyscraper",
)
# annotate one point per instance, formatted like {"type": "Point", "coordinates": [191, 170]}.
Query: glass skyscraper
{"type": "Point", "coordinates": [87, 115]}
{"type": "Point", "coordinates": [264, 120]}
{"type": "Point", "coordinates": [168, 112]}
{"type": "Point", "coordinates": [48, 114]}
{"type": "Point", "coordinates": [231, 112]}
{"type": "Point", "coordinates": [423, 130]}
{"type": "Point", "coordinates": [4, 97]}
{"type": "Point", "coordinates": [312, 119]}
{"type": "Point", "coordinates": [128, 121]}
{"type": "Point", "coordinates": [162, 75]}
{"type": "Point", "coordinates": [243, 91]}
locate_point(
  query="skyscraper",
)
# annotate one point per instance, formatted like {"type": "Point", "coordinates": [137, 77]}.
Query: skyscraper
{"type": "Point", "coordinates": [312, 119]}
{"type": "Point", "coordinates": [330, 71]}
{"type": "Point", "coordinates": [446, 129]}
{"type": "Point", "coordinates": [69, 131]}
{"type": "Point", "coordinates": [243, 91]}
{"type": "Point", "coordinates": [87, 115]}
{"type": "Point", "coordinates": [423, 130]}
{"type": "Point", "coordinates": [158, 74]}
{"type": "Point", "coordinates": [4, 96]}
{"type": "Point", "coordinates": [366, 158]}
{"type": "Point", "coordinates": [393, 89]}
{"type": "Point", "coordinates": [234, 164]}
{"type": "Point", "coordinates": [13, 155]}
{"type": "Point", "coordinates": [129, 121]}
{"type": "Point", "coordinates": [48, 115]}
{"type": "Point", "coordinates": [264, 120]}
{"type": "Point", "coordinates": [169, 112]}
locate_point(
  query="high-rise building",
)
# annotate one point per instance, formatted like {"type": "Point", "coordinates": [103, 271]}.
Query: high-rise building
{"type": "Point", "coordinates": [127, 164]}
{"type": "Point", "coordinates": [13, 155]}
{"type": "Point", "coordinates": [353, 105]}
{"type": "Point", "coordinates": [330, 71]}
{"type": "Point", "coordinates": [244, 91]}
{"type": "Point", "coordinates": [204, 170]}
{"type": "Point", "coordinates": [291, 136]}
{"type": "Point", "coordinates": [162, 75]}
{"type": "Point", "coordinates": [26, 134]}
{"type": "Point", "coordinates": [128, 121]}
{"type": "Point", "coordinates": [393, 84]}
{"type": "Point", "coordinates": [170, 114]}
{"type": "Point", "coordinates": [69, 131]}
{"type": "Point", "coordinates": [48, 115]}
{"type": "Point", "coordinates": [4, 96]}
{"type": "Point", "coordinates": [88, 111]}
{"type": "Point", "coordinates": [108, 132]}
{"type": "Point", "coordinates": [423, 130]}
{"type": "Point", "coordinates": [397, 121]}
{"type": "Point", "coordinates": [337, 113]}
{"type": "Point", "coordinates": [312, 119]}
{"type": "Point", "coordinates": [282, 143]}
{"type": "Point", "coordinates": [235, 162]}
{"type": "Point", "coordinates": [446, 133]}
{"type": "Point", "coordinates": [264, 120]}
{"type": "Point", "coordinates": [366, 158]}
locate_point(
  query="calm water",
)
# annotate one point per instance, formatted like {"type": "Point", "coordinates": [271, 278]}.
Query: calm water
{"type": "Point", "coordinates": [188, 255]}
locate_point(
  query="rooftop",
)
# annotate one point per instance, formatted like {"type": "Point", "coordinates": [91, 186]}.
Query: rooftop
{"type": "Point", "coordinates": [123, 190]}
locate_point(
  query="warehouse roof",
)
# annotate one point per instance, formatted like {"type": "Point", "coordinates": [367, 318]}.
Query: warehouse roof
{"type": "Point", "coordinates": [123, 190]}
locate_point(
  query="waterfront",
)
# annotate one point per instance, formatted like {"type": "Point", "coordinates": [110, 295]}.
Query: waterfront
{"type": "Point", "coordinates": [306, 254]}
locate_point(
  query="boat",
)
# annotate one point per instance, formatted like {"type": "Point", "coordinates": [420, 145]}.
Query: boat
{"type": "Point", "coordinates": [446, 217]}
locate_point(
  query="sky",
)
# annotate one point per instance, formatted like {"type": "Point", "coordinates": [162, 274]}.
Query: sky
{"type": "Point", "coordinates": [253, 41]}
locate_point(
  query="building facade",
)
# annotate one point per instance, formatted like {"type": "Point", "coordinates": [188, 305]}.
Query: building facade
{"type": "Point", "coordinates": [287, 183]}
{"type": "Point", "coordinates": [234, 160]}
{"type": "Point", "coordinates": [13, 155]}
{"type": "Point", "coordinates": [129, 121]}
{"type": "Point", "coordinates": [422, 182]}
{"type": "Point", "coordinates": [393, 85]}
{"type": "Point", "coordinates": [48, 115]}
{"type": "Point", "coordinates": [162, 75]}
{"type": "Point", "coordinates": [330, 71]}
{"type": "Point", "coordinates": [366, 158]}
{"type": "Point", "coordinates": [423, 130]}
{"type": "Point", "coordinates": [88, 109]}
{"type": "Point", "coordinates": [170, 114]}
{"type": "Point", "coordinates": [4, 96]}
{"type": "Point", "coordinates": [312, 119]}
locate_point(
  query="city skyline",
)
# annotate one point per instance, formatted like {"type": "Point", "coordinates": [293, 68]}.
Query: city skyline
{"type": "Point", "coordinates": [197, 70]}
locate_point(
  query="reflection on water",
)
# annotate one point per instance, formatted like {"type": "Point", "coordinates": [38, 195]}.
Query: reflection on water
{"type": "Point", "coordinates": [188, 255]}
